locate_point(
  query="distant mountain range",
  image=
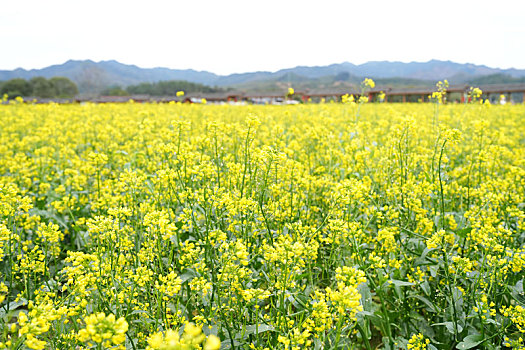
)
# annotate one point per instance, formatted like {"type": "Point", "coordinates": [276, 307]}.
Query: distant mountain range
{"type": "Point", "coordinates": [93, 76]}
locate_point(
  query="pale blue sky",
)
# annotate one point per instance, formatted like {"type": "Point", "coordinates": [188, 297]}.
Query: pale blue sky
{"type": "Point", "coordinates": [239, 36]}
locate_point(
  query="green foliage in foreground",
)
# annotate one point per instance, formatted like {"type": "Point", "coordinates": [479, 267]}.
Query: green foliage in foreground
{"type": "Point", "coordinates": [322, 226]}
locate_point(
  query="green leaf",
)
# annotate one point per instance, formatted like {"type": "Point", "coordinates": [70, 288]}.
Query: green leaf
{"type": "Point", "coordinates": [366, 296]}
{"type": "Point", "coordinates": [463, 232]}
{"type": "Point", "coordinates": [517, 292]}
{"type": "Point", "coordinates": [518, 288]}
{"type": "Point", "coordinates": [427, 302]}
{"type": "Point", "coordinates": [433, 270]}
{"type": "Point", "coordinates": [375, 319]}
{"type": "Point", "coordinates": [317, 344]}
{"type": "Point", "coordinates": [227, 344]}
{"type": "Point", "coordinates": [470, 341]}
{"type": "Point", "coordinates": [257, 329]}
{"type": "Point", "coordinates": [188, 275]}
{"type": "Point", "coordinates": [299, 301]}
{"type": "Point", "coordinates": [449, 326]}
{"type": "Point", "coordinates": [399, 283]}
{"type": "Point", "coordinates": [425, 286]}
{"type": "Point", "coordinates": [134, 312]}
{"type": "Point", "coordinates": [12, 306]}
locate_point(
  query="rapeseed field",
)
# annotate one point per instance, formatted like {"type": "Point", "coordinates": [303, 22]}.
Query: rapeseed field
{"type": "Point", "coordinates": [314, 226]}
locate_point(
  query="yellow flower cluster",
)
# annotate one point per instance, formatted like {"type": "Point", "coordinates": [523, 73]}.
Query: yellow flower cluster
{"type": "Point", "coordinates": [5, 235]}
{"type": "Point", "coordinates": [440, 239]}
{"type": "Point", "coordinates": [347, 99]}
{"type": "Point", "coordinates": [439, 96]}
{"type": "Point", "coordinates": [418, 342]}
{"type": "Point", "coordinates": [516, 315]}
{"type": "Point", "coordinates": [3, 292]}
{"type": "Point", "coordinates": [369, 83]}
{"type": "Point", "coordinates": [37, 322]}
{"type": "Point", "coordinates": [346, 298]}
{"type": "Point", "coordinates": [474, 94]}
{"type": "Point", "coordinates": [299, 226]}
{"type": "Point", "coordinates": [50, 236]}
{"type": "Point", "coordinates": [192, 338]}
{"type": "Point", "coordinates": [387, 238]}
{"type": "Point", "coordinates": [297, 340]}
{"type": "Point", "coordinates": [104, 330]}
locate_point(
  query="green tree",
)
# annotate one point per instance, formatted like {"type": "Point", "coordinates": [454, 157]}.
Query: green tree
{"type": "Point", "coordinates": [114, 91]}
{"type": "Point", "coordinates": [63, 87]}
{"type": "Point", "coordinates": [169, 88]}
{"type": "Point", "coordinates": [41, 87]}
{"type": "Point", "coordinates": [16, 87]}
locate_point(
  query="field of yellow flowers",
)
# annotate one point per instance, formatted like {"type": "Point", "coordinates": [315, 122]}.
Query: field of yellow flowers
{"type": "Point", "coordinates": [169, 226]}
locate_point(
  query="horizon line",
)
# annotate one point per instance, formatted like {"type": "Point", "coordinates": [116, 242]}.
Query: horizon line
{"type": "Point", "coordinates": [257, 71]}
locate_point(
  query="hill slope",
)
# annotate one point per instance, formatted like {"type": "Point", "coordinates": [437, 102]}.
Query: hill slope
{"type": "Point", "coordinates": [93, 76]}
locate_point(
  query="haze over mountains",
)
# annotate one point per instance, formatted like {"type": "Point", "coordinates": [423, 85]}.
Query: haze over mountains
{"type": "Point", "coordinates": [93, 76]}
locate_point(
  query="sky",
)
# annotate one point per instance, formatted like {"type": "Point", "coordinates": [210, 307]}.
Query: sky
{"type": "Point", "coordinates": [231, 36]}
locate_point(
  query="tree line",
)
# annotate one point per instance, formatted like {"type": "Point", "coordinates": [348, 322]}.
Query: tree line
{"type": "Point", "coordinates": [60, 87]}
{"type": "Point", "coordinates": [161, 88]}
